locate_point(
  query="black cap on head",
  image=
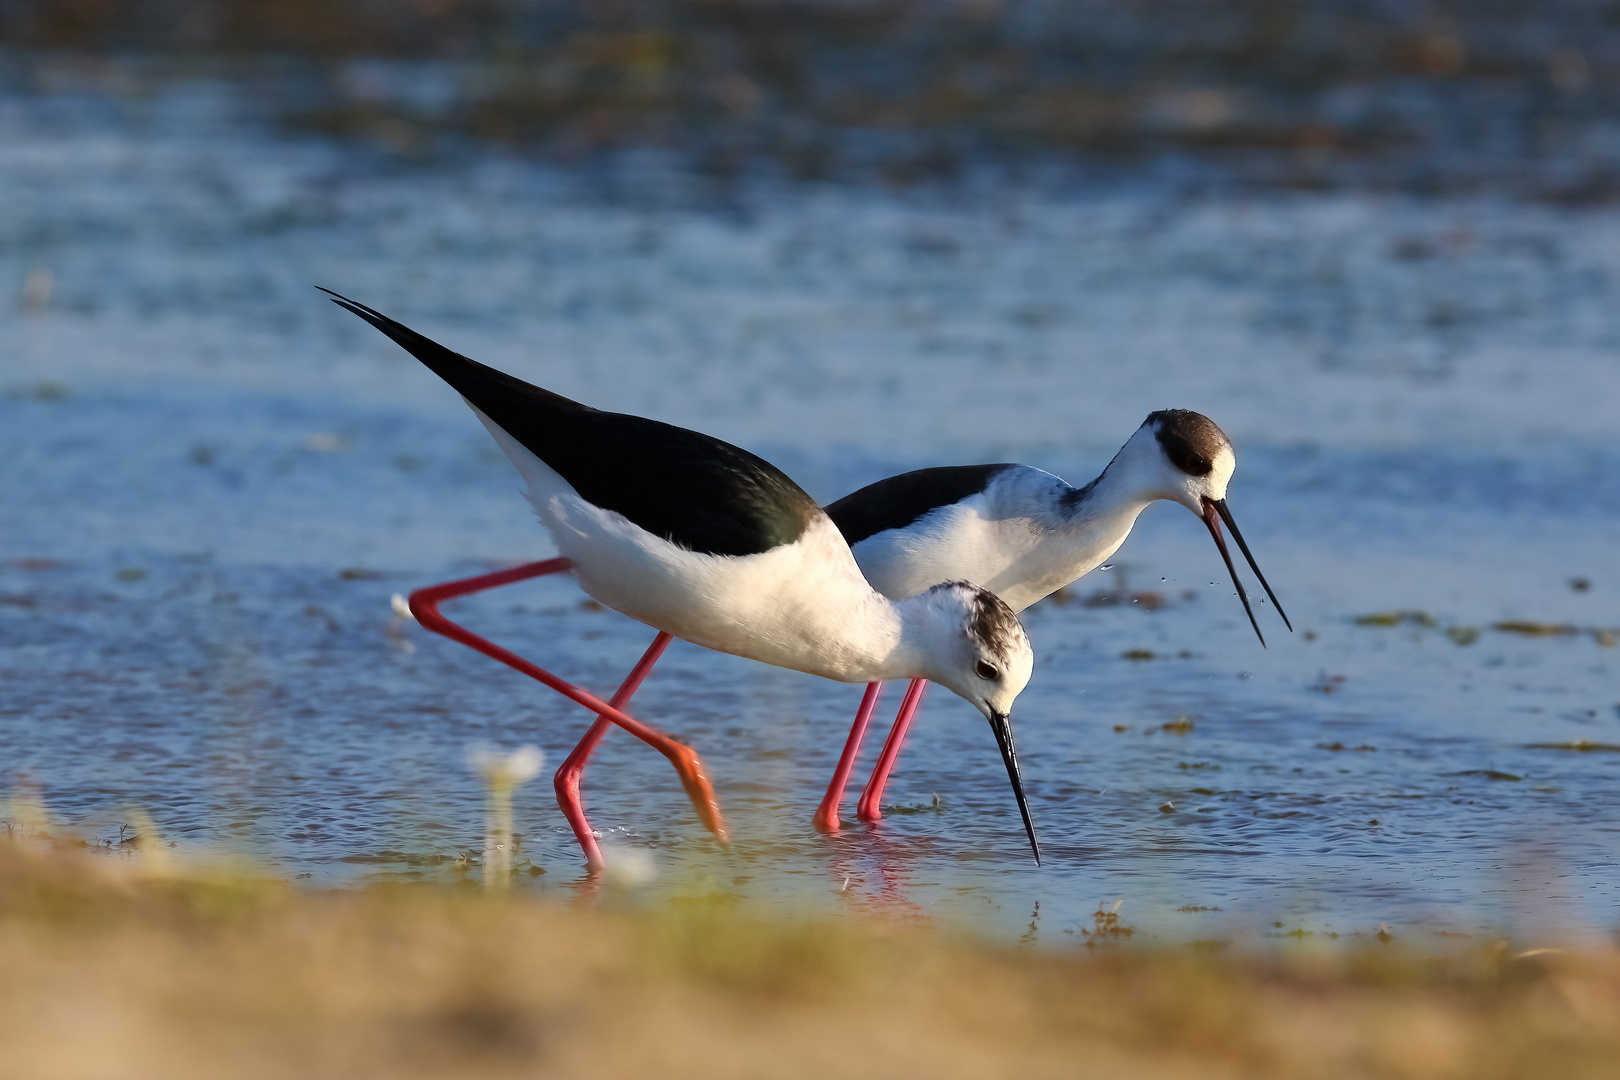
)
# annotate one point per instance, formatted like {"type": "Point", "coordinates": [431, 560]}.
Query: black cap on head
{"type": "Point", "coordinates": [1191, 440]}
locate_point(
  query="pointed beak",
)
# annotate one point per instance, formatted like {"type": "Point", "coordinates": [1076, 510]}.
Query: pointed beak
{"type": "Point", "coordinates": [1215, 512]}
{"type": "Point", "coordinates": [1001, 724]}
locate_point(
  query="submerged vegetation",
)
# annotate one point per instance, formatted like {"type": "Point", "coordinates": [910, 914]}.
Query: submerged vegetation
{"type": "Point", "coordinates": [1427, 96]}
{"type": "Point", "coordinates": [1467, 635]}
{"type": "Point", "coordinates": [116, 965]}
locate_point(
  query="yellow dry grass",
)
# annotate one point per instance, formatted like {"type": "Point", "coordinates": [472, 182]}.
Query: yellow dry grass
{"type": "Point", "coordinates": [109, 969]}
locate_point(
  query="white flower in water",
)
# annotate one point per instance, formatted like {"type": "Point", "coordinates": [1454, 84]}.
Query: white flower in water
{"type": "Point", "coordinates": [502, 773]}
{"type": "Point", "coordinates": [518, 767]}
{"type": "Point", "coordinates": [628, 867]}
{"type": "Point", "coordinates": [396, 626]}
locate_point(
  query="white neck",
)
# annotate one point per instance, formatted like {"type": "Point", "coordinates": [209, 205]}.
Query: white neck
{"type": "Point", "coordinates": [1137, 476]}
{"type": "Point", "coordinates": [928, 631]}
{"type": "Point", "coordinates": [1078, 537]}
{"type": "Point", "coordinates": [878, 638]}
{"type": "Point", "coordinates": [873, 639]}
{"type": "Point", "coordinates": [1111, 507]}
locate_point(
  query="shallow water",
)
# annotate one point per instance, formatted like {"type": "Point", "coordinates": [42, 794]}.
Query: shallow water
{"type": "Point", "coordinates": [214, 482]}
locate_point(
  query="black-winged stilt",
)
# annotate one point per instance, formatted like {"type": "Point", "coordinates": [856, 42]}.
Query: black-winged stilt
{"type": "Point", "coordinates": [1018, 530]}
{"type": "Point", "coordinates": [1024, 534]}
{"type": "Point", "coordinates": [707, 542]}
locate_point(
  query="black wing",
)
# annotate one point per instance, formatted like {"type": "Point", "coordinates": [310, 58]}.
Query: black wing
{"type": "Point", "coordinates": [694, 490]}
{"type": "Point", "coordinates": [900, 500]}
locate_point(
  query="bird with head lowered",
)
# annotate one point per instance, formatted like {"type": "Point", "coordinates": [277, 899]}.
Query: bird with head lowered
{"type": "Point", "coordinates": [707, 542]}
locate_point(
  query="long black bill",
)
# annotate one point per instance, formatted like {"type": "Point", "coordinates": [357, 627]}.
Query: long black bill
{"type": "Point", "coordinates": [1216, 512]}
{"type": "Point", "coordinates": [1002, 726]}
{"type": "Point", "coordinates": [1226, 516]}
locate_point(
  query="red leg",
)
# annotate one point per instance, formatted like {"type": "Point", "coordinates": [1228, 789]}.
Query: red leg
{"type": "Point", "coordinates": [826, 818]}
{"type": "Point", "coordinates": [425, 606]}
{"type": "Point", "coordinates": [870, 808]}
{"type": "Point", "coordinates": [569, 774]}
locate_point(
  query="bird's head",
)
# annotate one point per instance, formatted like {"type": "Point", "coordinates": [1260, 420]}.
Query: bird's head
{"type": "Point", "coordinates": [985, 657]}
{"type": "Point", "coordinates": [1184, 457]}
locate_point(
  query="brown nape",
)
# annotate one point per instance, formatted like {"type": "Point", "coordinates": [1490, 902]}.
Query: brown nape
{"type": "Point", "coordinates": [992, 621]}
{"type": "Point", "coordinates": [1191, 440]}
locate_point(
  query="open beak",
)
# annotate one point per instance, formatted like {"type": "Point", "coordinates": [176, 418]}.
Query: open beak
{"type": "Point", "coordinates": [1215, 512]}
{"type": "Point", "coordinates": [1001, 724]}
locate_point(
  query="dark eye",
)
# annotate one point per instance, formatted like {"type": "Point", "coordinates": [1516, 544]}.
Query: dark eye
{"type": "Point", "coordinates": [985, 670]}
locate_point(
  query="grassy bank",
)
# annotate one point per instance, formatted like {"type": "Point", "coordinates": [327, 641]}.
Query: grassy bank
{"type": "Point", "coordinates": [110, 969]}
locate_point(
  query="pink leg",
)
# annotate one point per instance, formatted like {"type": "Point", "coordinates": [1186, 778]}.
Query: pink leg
{"type": "Point", "coordinates": [826, 818]}
{"type": "Point", "coordinates": [572, 770]}
{"type": "Point", "coordinates": [870, 806]}
{"type": "Point", "coordinates": [425, 606]}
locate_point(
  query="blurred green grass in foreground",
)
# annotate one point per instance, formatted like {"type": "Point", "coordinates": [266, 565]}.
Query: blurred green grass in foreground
{"type": "Point", "coordinates": [124, 966]}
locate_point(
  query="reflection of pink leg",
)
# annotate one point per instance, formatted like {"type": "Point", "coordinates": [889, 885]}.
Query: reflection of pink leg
{"type": "Point", "coordinates": [826, 818]}
{"type": "Point", "coordinates": [572, 770]}
{"type": "Point", "coordinates": [870, 808]}
{"type": "Point", "coordinates": [425, 606]}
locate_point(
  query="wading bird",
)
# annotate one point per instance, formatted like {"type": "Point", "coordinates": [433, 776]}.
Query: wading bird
{"type": "Point", "coordinates": [706, 542]}
{"type": "Point", "coordinates": [1019, 531]}
{"type": "Point", "coordinates": [1023, 534]}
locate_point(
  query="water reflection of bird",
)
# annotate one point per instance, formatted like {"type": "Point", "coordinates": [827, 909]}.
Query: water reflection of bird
{"type": "Point", "coordinates": [707, 542]}
{"type": "Point", "coordinates": [1023, 534]}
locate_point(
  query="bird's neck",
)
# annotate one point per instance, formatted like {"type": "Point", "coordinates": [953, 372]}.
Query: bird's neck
{"type": "Point", "coordinates": [1104, 510]}
{"type": "Point", "coordinates": [840, 628]}
{"type": "Point", "coordinates": [885, 639]}
{"type": "Point", "coordinates": [924, 633]}
{"type": "Point", "coordinates": [876, 641]}
{"type": "Point", "coordinates": [1116, 497]}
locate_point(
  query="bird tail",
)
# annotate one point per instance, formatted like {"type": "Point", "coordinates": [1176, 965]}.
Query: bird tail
{"type": "Point", "coordinates": [491, 392]}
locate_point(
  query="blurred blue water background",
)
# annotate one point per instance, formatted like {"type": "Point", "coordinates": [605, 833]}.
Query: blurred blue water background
{"type": "Point", "coordinates": [213, 483]}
